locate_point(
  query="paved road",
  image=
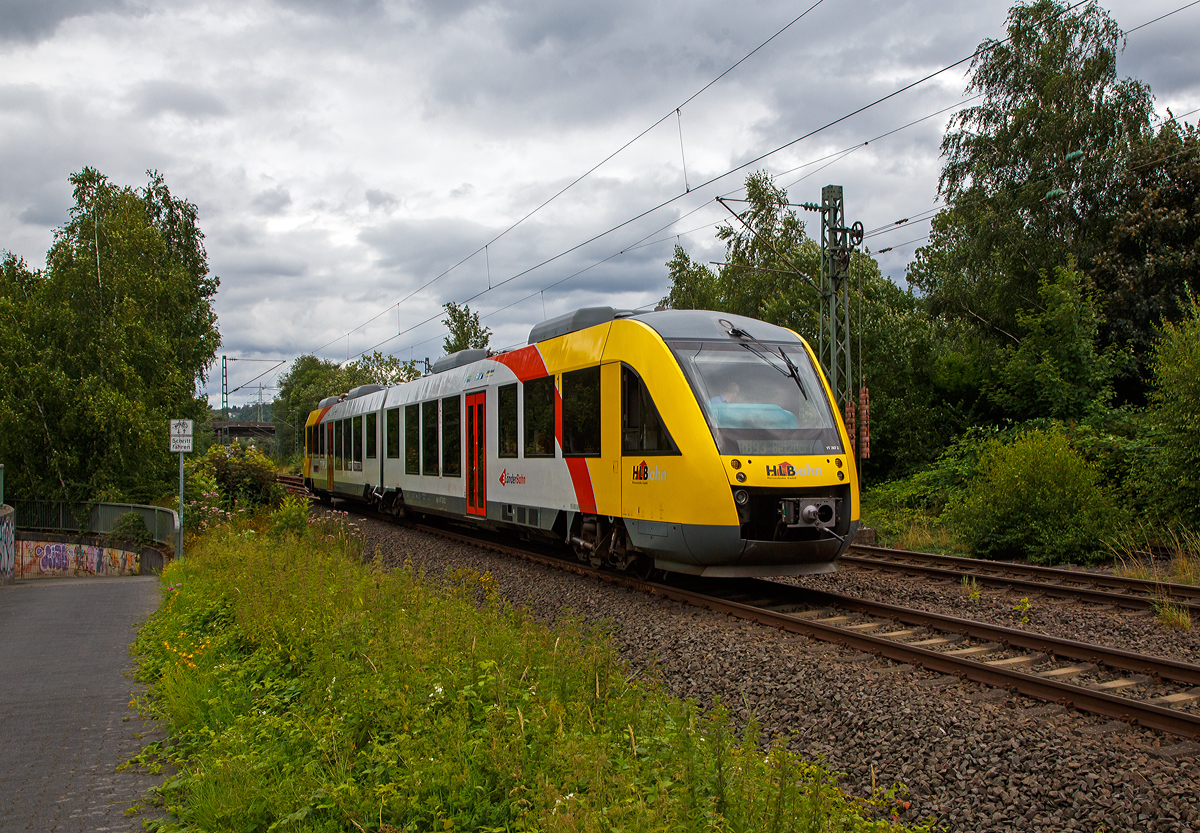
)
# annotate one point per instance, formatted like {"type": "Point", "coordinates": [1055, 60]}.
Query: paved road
{"type": "Point", "coordinates": [65, 687]}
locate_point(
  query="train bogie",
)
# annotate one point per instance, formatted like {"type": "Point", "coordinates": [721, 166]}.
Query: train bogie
{"type": "Point", "coordinates": [691, 441]}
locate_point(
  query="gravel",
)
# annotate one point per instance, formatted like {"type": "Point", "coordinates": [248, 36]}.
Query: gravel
{"type": "Point", "coordinates": [1133, 630]}
{"type": "Point", "coordinates": [972, 757]}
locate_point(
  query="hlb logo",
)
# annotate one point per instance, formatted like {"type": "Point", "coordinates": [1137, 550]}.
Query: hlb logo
{"type": "Point", "coordinates": [787, 470]}
{"type": "Point", "coordinates": [644, 474]}
{"type": "Point", "coordinates": [784, 469]}
{"type": "Point", "coordinates": [507, 479]}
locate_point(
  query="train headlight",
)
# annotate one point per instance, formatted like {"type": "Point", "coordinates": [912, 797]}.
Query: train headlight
{"type": "Point", "coordinates": [741, 477]}
{"type": "Point", "coordinates": [841, 475]}
{"type": "Point", "coordinates": [742, 497]}
{"type": "Point", "coordinates": [735, 464]}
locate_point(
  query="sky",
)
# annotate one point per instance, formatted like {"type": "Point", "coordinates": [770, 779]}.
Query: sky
{"type": "Point", "coordinates": [358, 164]}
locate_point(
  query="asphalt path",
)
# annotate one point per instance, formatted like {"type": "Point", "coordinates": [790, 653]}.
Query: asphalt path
{"type": "Point", "coordinates": [65, 717]}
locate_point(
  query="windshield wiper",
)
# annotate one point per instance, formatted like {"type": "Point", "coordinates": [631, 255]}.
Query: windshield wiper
{"type": "Point", "coordinates": [792, 371]}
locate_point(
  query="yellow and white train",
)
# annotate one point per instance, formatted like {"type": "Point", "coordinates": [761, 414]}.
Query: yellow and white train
{"type": "Point", "coordinates": [683, 440]}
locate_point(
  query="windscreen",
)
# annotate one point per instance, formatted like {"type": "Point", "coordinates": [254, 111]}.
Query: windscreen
{"type": "Point", "coordinates": [760, 398]}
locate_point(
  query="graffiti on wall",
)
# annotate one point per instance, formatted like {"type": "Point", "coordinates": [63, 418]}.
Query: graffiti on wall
{"type": "Point", "coordinates": [38, 558]}
{"type": "Point", "coordinates": [8, 550]}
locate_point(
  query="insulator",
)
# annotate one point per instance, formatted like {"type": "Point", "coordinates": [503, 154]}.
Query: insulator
{"type": "Point", "coordinates": [864, 423]}
{"type": "Point", "coordinates": [850, 432]}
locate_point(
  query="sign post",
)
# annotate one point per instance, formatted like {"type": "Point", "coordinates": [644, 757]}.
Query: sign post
{"type": "Point", "coordinates": [181, 441]}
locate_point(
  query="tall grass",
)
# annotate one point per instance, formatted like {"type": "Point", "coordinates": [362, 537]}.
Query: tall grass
{"type": "Point", "coordinates": [305, 691]}
{"type": "Point", "coordinates": [1134, 552]}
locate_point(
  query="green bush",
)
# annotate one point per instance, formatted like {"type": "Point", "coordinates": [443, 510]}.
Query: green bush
{"type": "Point", "coordinates": [1037, 498]}
{"type": "Point", "coordinates": [243, 474]}
{"type": "Point", "coordinates": [1175, 412]}
{"type": "Point", "coordinates": [291, 518]}
{"type": "Point", "coordinates": [130, 528]}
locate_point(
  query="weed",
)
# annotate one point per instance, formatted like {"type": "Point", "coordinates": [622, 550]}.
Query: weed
{"type": "Point", "coordinates": [306, 690]}
{"type": "Point", "coordinates": [970, 588]}
{"type": "Point", "coordinates": [1023, 607]}
{"type": "Point", "coordinates": [1173, 615]}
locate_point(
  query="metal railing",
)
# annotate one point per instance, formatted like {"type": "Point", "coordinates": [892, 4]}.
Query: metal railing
{"type": "Point", "coordinates": [94, 518]}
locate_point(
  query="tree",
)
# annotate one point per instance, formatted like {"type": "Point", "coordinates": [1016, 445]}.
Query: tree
{"type": "Point", "coordinates": [1152, 258]}
{"type": "Point", "coordinates": [1057, 370]}
{"type": "Point", "coordinates": [105, 345]}
{"type": "Point", "coordinates": [309, 380]}
{"type": "Point", "coordinates": [466, 333]}
{"type": "Point", "coordinates": [1049, 90]}
{"type": "Point", "coordinates": [1175, 411]}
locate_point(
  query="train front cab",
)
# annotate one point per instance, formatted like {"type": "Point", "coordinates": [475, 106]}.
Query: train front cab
{"type": "Point", "coordinates": [681, 465]}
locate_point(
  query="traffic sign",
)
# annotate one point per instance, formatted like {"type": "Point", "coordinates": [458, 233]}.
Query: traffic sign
{"type": "Point", "coordinates": [181, 428]}
{"type": "Point", "coordinates": [181, 444]}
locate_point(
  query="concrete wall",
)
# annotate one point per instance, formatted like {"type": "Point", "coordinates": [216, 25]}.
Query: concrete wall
{"type": "Point", "coordinates": [43, 554]}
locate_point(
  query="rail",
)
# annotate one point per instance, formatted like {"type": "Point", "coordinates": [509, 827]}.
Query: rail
{"type": "Point", "coordinates": [94, 518]}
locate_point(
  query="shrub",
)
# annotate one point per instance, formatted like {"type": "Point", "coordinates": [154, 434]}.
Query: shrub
{"type": "Point", "coordinates": [291, 518]}
{"type": "Point", "coordinates": [132, 529]}
{"type": "Point", "coordinates": [1035, 498]}
{"type": "Point", "coordinates": [1175, 411]}
{"type": "Point", "coordinates": [242, 473]}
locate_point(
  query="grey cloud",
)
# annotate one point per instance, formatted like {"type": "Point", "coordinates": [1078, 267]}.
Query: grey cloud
{"type": "Point", "coordinates": [48, 212]}
{"type": "Point", "coordinates": [378, 200]}
{"type": "Point", "coordinates": [272, 201]}
{"type": "Point", "coordinates": [154, 97]}
{"type": "Point", "coordinates": [33, 20]}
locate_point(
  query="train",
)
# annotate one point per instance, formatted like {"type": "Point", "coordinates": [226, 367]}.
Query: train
{"type": "Point", "coordinates": [688, 441]}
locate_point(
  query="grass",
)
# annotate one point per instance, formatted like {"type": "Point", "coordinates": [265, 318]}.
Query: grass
{"type": "Point", "coordinates": [305, 691]}
{"type": "Point", "coordinates": [1134, 550]}
{"type": "Point", "coordinates": [1173, 615]}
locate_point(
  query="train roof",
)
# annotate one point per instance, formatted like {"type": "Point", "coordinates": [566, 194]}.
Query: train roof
{"type": "Point", "coordinates": [671, 324]}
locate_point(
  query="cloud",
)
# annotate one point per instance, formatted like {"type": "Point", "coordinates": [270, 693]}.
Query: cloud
{"type": "Point", "coordinates": [152, 98]}
{"type": "Point", "coordinates": [272, 201]}
{"type": "Point", "coordinates": [33, 20]}
{"type": "Point", "coordinates": [378, 200]}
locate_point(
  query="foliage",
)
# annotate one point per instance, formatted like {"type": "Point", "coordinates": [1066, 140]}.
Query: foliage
{"type": "Point", "coordinates": [132, 529]}
{"type": "Point", "coordinates": [1175, 411]}
{"type": "Point", "coordinates": [466, 333]}
{"type": "Point", "coordinates": [1035, 498]}
{"type": "Point", "coordinates": [243, 474]}
{"type": "Point", "coordinates": [305, 691]}
{"type": "Point", "coordinates": [309, 380]}
{"type": "Point", "coordinates": [1048, 90]}
{"type": "Point", "coordinates": [1056, 371]}
{"type": "Point", "coordinates": [105, 345]}
{"type": "Point", "coordinates": [1152, 258]}
{"type": "Point", "coordinates": [291, 518]}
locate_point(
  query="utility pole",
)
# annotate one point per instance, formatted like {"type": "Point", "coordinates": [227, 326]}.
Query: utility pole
{"type": "Point", "coordinates": [837, 242]}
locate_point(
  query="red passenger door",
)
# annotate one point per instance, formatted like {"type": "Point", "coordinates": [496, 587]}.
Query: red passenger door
{"type": "Point", "coordinates": [476, 456]}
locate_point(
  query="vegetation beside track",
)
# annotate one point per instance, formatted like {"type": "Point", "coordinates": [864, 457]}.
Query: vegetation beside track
{"type": "Point", "coordinates": [306, 691]}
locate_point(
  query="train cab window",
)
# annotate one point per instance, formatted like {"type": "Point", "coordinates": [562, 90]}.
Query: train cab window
{"type": "Point", "coordinates": [337, 444]}
{"type": "Point", "coordinates": [429, 438]}
{"type": "Point", "coordinates": [452, 436]}
{"type": "Point", "coordinates": [393, 433]}
{"type": "Point", "coordinates": [642, 429]}
{"type": "Point", "coordinates": [539, 417]}
{"type": "Point", "coordinates": [372, 436]}
{"type": "Point", "coordinates": [506, 420]}
{"type": "Point", "coordinates": [356, 447]}
{"type": "Point", "coordinates": [581, 412]}
{"type": "Point", "coordinates": [412, 439]}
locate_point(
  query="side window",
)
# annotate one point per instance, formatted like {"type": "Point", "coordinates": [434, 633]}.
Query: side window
{"type": "Point", "coordinates": [372, 436]}
{"type": "Point", "coordinates": [452, 436]}
{"type": "Point", "coordinates": [539, 417]}
{"type": "Point", "coordinates": [322, 430]}
{"type": "Point", "coordinates": [506, 422]}
{"type": "Point", "coordinates": [642, 429]}
{"type": "Point", "coordinates": [581, 412]}
{"type": "Point", "coordinates": [393, 434]}
{"type": "Point", "coordinates": [337, 444]}
{"type": "Point", "coordinates": [429, 438]}
{"type": "Point", "coordinates": [412, 439]}
{"type": "Point", "coordinates": [356, 447]}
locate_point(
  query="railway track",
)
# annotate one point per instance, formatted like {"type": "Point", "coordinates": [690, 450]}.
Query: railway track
{"type": "Point", "coordinates": [1132, 593]}
{"type": "Point", "coordinates": [1153, 692]}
